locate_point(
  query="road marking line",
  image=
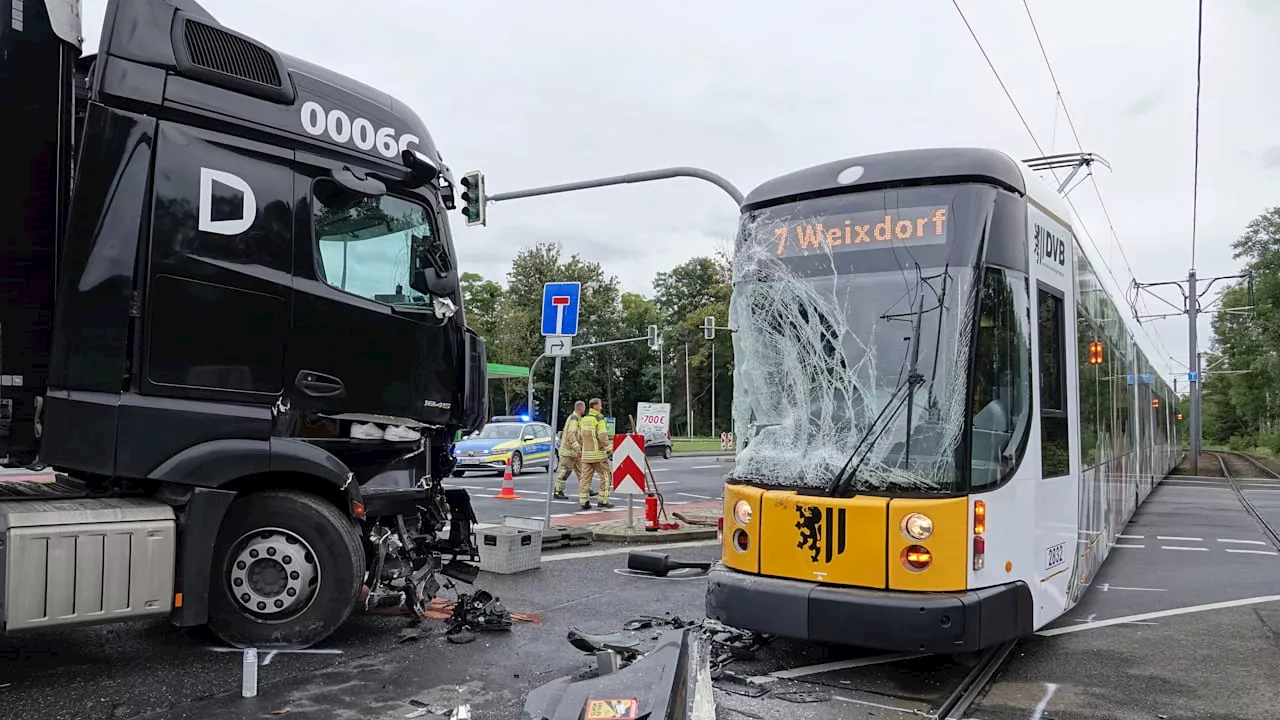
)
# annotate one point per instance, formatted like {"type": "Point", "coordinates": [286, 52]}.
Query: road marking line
{"type": "Point", "coordinates": [661, 469]}
{"type": "Point", "coordinates": [1131, 537]}
{"type": "Point", "coordinates": [704, 467]}
{"type": "Point", "coordinates": [1255, 552]}
{"type": "Point", "coordinates": [1259, 489]}
{"type": "Point", "coordinates": [700, 497]}
{"type": "Point", "coordinates": [1158, 614]}
{"type": "Point", "coordinates": [1175, 537]}
{"type": "Point", "coordinates": [1108, 586]}
{"type": "Point", "coordinates": [1180, 547]}
{"type": "Point", "coordinates": [667, 482]}
{"type": "Point", "coordinates": [1129, 546]}
{"type": "Point", "coordinates": [1242, 542]}
{"type": "Point", "coordinates": [620, 551]}
{"type": "Point", "coordinates": [843, 665]}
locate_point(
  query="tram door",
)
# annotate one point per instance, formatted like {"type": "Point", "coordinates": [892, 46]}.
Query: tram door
{"type": "Point", "coordinates": [1057, 494]}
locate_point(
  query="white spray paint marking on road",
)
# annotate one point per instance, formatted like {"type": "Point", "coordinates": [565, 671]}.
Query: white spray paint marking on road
{"type": "Point", "coordinates": [1131, 537]}
{"type": "Point", "coordinates": [1241, 542]}
{"type": "Point", "coordinates": [1139, 547]}
{"type": "Point", "coordinates": [1259, 600]}
{"type": "Point", "coordinates": [704, 467]}
{"type": "Point", "coordinates": [1176, 537]}
{"type": "Point", "coordinates": [1050, 689]}
{"type": "Point", "coordinates": [700, 497]}
{"type": "Point", "coordinates": [1183, 547]}
{"type": "Point", "coordinates": [1105, 587]}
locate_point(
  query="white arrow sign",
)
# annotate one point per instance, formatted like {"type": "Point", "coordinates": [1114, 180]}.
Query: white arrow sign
{"type": "Point", "coordinates": [559, 345]}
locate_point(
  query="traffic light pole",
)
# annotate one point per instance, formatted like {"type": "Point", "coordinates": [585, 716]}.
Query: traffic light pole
{"type": "Point", "coordinates": [637, 177]}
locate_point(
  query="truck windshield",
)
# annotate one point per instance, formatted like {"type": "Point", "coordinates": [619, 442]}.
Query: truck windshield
{"type": "Point", "coordinates": [834, 300]}
{"type": "Point", "coordinates": [364, 243]}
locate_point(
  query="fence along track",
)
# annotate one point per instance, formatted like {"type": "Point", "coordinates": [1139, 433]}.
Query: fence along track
{"type": "Point", "coordinates": [1267, 530]}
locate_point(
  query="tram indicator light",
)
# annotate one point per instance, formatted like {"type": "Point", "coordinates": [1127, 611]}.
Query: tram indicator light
{"type": "Point", "coordinates": [1095, 353]}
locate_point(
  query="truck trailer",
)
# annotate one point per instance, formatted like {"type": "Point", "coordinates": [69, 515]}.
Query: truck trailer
{"type": "Point", "coordinates": [233, 353]}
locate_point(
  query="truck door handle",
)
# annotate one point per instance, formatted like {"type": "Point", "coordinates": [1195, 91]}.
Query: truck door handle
{"type": "Point", "coordinates": [318, 384]}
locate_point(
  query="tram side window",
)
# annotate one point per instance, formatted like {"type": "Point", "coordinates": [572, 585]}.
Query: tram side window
{"type": "Point", "coordinates": [1055, 446]}
{"type": "Point", "coordinates": [1092, 396]}
{"type": "Point", "coordinates": [1001, 403]}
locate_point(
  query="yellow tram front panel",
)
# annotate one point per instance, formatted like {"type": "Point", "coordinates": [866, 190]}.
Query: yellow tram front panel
{"type": "Point", "coordinates": [840, 541]}
{"type": "Point", "coordinates": [938, 561]}
{"type": "Point", "coordinates": [735, 531]}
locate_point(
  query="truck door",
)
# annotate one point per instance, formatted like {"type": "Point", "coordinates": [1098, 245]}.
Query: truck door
{"type": "Point", "coordinates": [218, 288]}
{"type": "Point", "coordinates": [362, 340]}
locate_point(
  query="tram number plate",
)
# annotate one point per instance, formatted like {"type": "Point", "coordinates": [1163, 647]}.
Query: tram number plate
{"type": "Point", "coordinates": [1055, 555]}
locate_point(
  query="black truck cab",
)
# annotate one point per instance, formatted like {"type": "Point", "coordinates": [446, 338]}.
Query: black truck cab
{"type": "Point", "coordinates": [225, 259]}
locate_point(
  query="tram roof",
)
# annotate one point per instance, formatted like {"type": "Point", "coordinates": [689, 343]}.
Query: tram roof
{"type": "Point", "coordinates": [894, 168]}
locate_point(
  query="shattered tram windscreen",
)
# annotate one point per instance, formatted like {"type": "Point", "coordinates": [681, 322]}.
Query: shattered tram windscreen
{"type": "Point", "coordinates": [827, 294]}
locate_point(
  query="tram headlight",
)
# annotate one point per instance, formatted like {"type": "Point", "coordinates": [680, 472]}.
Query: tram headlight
{"type": "Point", "coordinates": [742, 512]}
{"type": "Point", "coordinates": [917, 526]}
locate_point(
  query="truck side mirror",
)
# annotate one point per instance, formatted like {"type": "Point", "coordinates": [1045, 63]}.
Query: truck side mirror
{"type": "Point", "coordinates": [422, 169]}
{"type": "Point", "coordinates": [433, 273]}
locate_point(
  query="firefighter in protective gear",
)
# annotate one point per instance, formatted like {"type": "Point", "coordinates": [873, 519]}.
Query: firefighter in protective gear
{"type": "Point", "coordinates": [570, 447]}
{"type": "Point", "coordinates": [594, 458]}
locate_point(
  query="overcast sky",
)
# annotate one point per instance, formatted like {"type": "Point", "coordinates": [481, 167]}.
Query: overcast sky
{"type": "Point", "coordinates": [561, 90]}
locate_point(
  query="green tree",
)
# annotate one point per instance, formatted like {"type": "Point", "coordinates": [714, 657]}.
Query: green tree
{"type": "Point", "coordinates": [1239, 398]}
{"type": "Point", "coordinates": [481, 300]}
{"type": "Point", "coordinates": [686, 295]}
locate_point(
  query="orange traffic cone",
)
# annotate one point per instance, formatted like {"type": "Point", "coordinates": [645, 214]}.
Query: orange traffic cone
{"type": "Point", "coordinates": [508, 487]}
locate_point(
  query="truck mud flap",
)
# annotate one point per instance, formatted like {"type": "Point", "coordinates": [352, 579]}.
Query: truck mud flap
{"type": "Point", "coordinates": [671, 682]}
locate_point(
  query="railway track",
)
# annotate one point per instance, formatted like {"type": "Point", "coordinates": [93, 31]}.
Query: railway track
{"type": "Point", "coordinates": [1242, 460]}
{"type": "Point", "coordinates": [769, 682]}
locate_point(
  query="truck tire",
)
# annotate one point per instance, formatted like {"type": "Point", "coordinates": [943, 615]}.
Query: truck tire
{"type": "Point", "coordinates": [287, 571]}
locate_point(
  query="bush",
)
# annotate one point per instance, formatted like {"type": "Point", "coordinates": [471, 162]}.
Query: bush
{"type": "Point", "coordinates": [1242, 443]}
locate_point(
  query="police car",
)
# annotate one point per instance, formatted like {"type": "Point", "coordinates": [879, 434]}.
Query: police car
{"type": "Point", "coordinates": [526, 443]}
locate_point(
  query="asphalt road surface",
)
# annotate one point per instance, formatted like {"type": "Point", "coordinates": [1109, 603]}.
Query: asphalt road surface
{"type": "Point", "coordinates": [151, 670]}
{"type": "Point", "coordinates": [680, 480]}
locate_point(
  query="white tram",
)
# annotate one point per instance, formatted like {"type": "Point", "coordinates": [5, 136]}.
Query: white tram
{"type": "Point", "coordinates": [945, 419]}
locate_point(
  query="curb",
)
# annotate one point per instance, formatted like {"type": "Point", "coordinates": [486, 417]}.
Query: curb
{"type": "Point", "coordinates": [641, 537]}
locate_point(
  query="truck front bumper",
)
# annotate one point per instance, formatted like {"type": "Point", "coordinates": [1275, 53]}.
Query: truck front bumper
{"type": "Point", "coordinates": [887, 620]}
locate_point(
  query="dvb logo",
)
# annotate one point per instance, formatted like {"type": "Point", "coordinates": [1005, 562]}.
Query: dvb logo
{"type": "Point", "coordinates": [227, 203]}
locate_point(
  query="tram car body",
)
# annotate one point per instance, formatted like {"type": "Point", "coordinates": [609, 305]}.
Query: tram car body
{"type": "Point", "coordinates": [945, 419]}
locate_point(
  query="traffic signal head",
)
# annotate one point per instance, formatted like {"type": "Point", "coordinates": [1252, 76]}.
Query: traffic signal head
{"type": "Point", "coordinates": [709, 327]}
{"type": "Point", "coordinates": [1155, 402]}
{"type": "Point", "coordinates": [1095, 353]}
{"type": "Point", "coordinates": [1179, 415]}
{"type": "Point", "coordinates": [473, 197]}
{"type": "Point", "coordinates": [653, 336]}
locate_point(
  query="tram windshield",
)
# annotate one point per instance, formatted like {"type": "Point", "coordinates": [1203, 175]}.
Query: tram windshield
{"type": "Point", "coordinates": [835, 300]}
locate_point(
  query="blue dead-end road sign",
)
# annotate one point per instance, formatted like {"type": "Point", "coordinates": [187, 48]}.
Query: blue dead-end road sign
{"type": "Point", "coordinates": [560, 308]}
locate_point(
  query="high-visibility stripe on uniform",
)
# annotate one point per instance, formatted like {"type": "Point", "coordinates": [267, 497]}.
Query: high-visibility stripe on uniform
{"type": "Point", "coordinates": [594, 435]}
{"type": "Point", "coordinates": [570, 443]}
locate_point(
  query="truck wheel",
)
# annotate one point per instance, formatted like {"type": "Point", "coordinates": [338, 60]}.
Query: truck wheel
{"type": "Point", "coordinates": [287, 571]}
